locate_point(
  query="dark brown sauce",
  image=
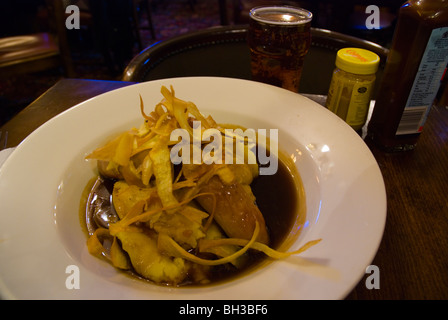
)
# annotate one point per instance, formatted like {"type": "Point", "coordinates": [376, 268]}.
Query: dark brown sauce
{"type": "Point", "coordinates": [277, 197]}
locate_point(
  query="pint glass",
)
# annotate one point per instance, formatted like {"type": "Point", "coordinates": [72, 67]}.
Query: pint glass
{"type": "Point", "coordinates": [279, 38]}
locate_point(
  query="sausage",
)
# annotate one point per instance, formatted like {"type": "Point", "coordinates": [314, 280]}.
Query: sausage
{"type": "Point", "coordinates": [236, 211]}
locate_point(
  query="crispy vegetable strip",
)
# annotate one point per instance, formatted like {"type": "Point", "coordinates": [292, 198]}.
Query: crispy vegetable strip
{"type": "Point", "coordinates": [95, 245]}
{"type": "Point", "coordinates": [205, 244]}
{"type": "Point", "coordinates": [118, 150]}
{"type": "Point", "coordinates": [171, 248]}
{"type": "Point", "coordinates": [118, 256]}
{"type": "Point", "coordinates": [151, 119]}
{"type": "Point", "coordinates": [160, 157]}
{"type": "Point", "coordinates": [214, 232]}
{"type": "Point", "coordinates": [147, 170]}
{"type": "Point", "coordinates": [137, 214]}
{"type": "Point", "coordinates": [124, 149]}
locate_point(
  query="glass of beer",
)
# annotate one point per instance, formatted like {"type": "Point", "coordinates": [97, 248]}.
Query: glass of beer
{"type": "Point", "coordinates": [279, 38]}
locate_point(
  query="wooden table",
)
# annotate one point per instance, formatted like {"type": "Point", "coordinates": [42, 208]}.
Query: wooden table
{"type": "Point", "coordinates": [413, 255]}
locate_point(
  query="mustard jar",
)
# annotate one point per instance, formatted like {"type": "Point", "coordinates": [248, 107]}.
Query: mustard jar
{"type": "Point", "coordinates": [352, 84]}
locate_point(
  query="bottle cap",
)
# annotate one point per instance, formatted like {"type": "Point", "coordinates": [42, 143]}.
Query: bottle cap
{"type": "Point", "coordinates": [358, 61]}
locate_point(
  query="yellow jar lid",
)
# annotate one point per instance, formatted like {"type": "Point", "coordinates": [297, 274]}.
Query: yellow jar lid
{"type": "Point", "coordinates": [356, 60]}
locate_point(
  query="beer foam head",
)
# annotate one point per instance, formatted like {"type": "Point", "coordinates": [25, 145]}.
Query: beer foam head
{"type": "Point", "coordinates": [281, 15]}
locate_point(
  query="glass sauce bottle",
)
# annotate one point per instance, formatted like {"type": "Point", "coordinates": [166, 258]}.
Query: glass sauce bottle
{"type": "Point", "coordinates": [414, 68]}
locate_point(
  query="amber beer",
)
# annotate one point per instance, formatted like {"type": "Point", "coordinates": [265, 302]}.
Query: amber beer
{"type": "Point", "coordinates": [279, 38]}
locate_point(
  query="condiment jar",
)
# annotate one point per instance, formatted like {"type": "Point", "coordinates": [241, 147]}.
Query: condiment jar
{"type": "Point", "coordinates": [352, 85]}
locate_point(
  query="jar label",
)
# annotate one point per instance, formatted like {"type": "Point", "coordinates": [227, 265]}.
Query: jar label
{"type": "Point", "coordinates": [359, 104]}
{"type": "Point", "coordinates": [426, 83]}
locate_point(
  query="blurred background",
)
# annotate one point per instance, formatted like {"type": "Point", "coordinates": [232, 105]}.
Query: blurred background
{"type": "Point", "coordinates": [113, 31]}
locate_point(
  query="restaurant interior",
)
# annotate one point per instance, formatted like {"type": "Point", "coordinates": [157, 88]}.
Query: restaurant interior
{"type": "Point", "coordinates": [412, 254]}
{"type": "Point", "coordinates": [91, 55]}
